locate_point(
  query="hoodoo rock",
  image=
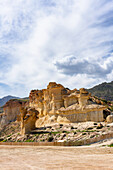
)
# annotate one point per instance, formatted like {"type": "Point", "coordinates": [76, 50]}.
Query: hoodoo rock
{"type": "Point", "coordinates": [58, 104]}
{"type": "Point", "coordinates": [28, 119]}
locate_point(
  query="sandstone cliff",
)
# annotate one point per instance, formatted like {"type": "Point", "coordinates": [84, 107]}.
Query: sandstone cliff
{"type": "Point", "coordinates": [58, 104]}
{"type": "Point", "coordinates": [11, 110]}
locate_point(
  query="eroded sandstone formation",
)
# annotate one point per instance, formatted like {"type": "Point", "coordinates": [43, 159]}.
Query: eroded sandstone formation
{"type": "Point", "coordinates": [48, 101]}
{"type": "Point", "coordinates": [28, 119]}
{"type": "Point", "coordinates": [58, 104]}
{"type": "Point", "coordinates": [55, 98]}
{"type": "Point", "coordinates": [11, 111]}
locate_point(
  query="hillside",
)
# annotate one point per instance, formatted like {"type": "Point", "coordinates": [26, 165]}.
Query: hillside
{"type": "Point", "coordinates": [104, 90]}
{"type": "Point", "coordinates": [6, 98]}
{"type": "Point", "coordinates": [14, 101]}
{"type": "Point", "coordinates": [1, 109]}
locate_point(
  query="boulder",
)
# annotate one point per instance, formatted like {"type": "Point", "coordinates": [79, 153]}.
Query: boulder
{"type": "Point", "coordinates": [109, 119]}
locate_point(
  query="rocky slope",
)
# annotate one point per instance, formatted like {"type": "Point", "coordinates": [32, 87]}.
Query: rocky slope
{"type": "Point", "coordinates": [6, 98]}
{"type": "Point", "coordinates": [76, 132]}
{"type": "Point", "coordinates": [10, 129]}
{"type": "Point", "coordinates": [55, 132]}
{"type": "Point", "coordinates": [100, 101]}
{"type": "Point", "coordinates": [73, 132]}
{"type": "Point", "coordinates": [1, 110]}
{"type": "Point", "coordinates": [104, 90]}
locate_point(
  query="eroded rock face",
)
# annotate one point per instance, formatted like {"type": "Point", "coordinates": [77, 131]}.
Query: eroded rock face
{"type": "Point", "coordinates": [48, 101]}
{"type": "Point", "coordinates": [3, 120]}
{"type": "Point", "coordinates": [109, 119]}
{"type": "Point", "coordinates": [70, 105]}
{"type": "Point", "coordinates": [11, 111]}
{"type": "Point", "coordinates": [28, 119]}
{"type": "Point", "coordinates": [58, 104]}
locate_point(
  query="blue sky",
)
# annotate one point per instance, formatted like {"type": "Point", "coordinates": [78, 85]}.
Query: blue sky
{"type": "Point", "coordinates": [67, 41]}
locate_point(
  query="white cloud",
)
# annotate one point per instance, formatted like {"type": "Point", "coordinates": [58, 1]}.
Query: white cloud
{"type": "Point", "coordinates": [34, 36]}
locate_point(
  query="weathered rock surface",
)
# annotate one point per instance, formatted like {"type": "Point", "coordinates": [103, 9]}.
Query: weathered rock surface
{"type": "Point", "coordinates": [75, 132]}
{"type": "Point", "coordinates": [58, 100]}
{"type": "Point", "coordinates": [109, 119]}
{"type": "Point", "coordinates": [58, 104]}
{"type": "Point", "coordinates": [11, 111]}
{"type": "Point", "coordinates": [28, 119]}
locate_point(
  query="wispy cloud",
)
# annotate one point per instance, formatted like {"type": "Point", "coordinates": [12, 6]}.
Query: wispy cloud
{"type": "Point", "coordinates": [67, 41]}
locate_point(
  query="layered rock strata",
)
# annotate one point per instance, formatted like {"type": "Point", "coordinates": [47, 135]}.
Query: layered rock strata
{"type": "Point", "coordinates": [11, 111]}
{"type": "Point", "coordinates": [62, 105]}
{"type": "Point", "coordinates": [28, 119]}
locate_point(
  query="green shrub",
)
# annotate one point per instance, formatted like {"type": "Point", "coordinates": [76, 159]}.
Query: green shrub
{"type": "Point", "coordinates": [29, 140]}
{"type": "Point", "coordinates": [111, 145]}
{"type": "Point", "coordinates": [5, 140]}
{"type": "Point", "coordinates": [9, 135]}
{"type": "Point", "coordinates": [50, 139]}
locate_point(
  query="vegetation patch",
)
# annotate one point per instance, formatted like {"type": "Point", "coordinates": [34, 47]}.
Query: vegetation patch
{"type": "Point", "coordinates": [1, 109]}
{"type": "Point", "coordinates": [55, 133]}
{"type": "Point", "coordinates": [90, 128]}
{"type": "Point", "coordinates": [9, 135]}
{"type": "Point", "coordinates": [5, 140]}
{"type": "Point", "coordinates": [29, 140]}
{"type": "Point", "coordinates": [84, 133]}
{"type": "Point", "coordinates": [111, 145]}
{"type": "Point", "coordinates": [92, 136]}
{"type": "Point", "coordinates": [50, 139]}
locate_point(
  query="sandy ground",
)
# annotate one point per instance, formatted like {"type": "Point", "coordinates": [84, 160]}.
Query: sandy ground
{"type": "Point", "coordinates": [58, 158]}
